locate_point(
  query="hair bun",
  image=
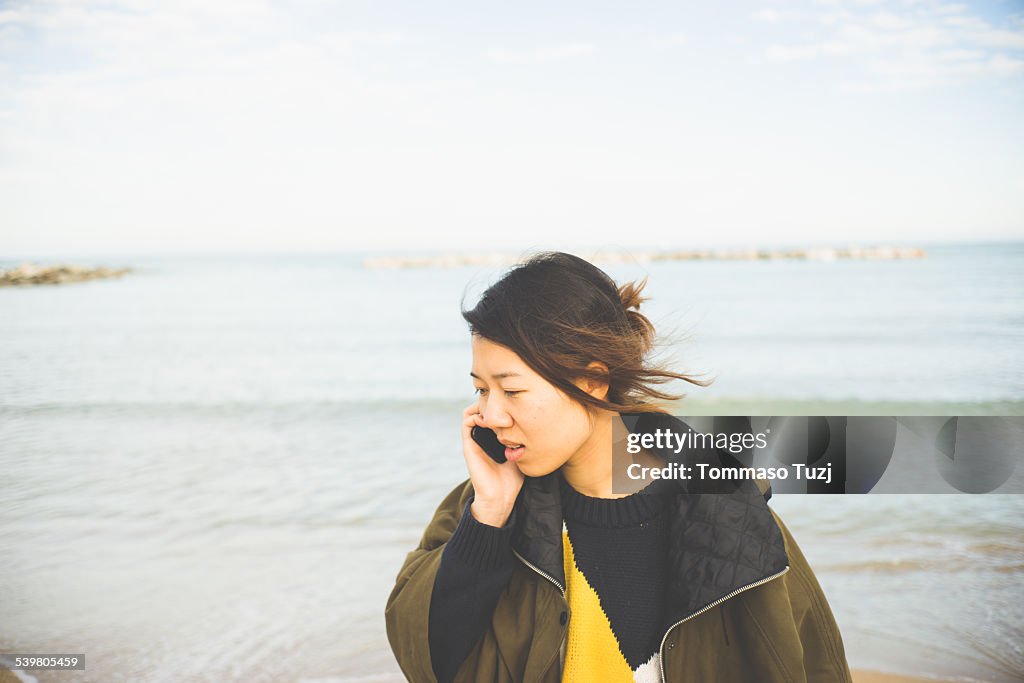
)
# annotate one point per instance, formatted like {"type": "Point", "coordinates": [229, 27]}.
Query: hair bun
{"type": "Point", "coordinates": [629, 294]}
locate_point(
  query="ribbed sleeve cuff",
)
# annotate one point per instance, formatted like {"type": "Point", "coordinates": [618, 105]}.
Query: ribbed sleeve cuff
{"type": "Point", "coordinates": [482, 546]}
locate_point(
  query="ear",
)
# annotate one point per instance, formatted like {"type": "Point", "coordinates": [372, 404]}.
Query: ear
{"type": "Point", "coordinates": [594, 387]}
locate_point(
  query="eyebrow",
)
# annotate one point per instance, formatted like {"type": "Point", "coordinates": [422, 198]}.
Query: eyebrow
{"type": "Point", "coordinates": [500, 375]}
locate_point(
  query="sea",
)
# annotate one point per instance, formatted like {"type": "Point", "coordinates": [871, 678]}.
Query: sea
{"type": "Point", "coordinates": [213, 467]}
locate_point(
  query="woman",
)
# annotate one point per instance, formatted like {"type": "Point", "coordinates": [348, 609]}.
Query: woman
{"type": "Point", "coordinates": [534, 570]}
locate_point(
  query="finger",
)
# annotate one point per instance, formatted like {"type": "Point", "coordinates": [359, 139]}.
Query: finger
{"type": "Point", "coordinates": [467, 438]}
{"type": "Point", "coordinates": [471, 416]}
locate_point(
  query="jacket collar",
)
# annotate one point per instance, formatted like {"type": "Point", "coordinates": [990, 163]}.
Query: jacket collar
{"type": "Point", "coordinates": [718, 542]}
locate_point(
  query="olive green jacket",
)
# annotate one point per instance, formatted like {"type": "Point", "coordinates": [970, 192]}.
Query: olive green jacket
{"type": "Point", "coordinates": [744, 603]}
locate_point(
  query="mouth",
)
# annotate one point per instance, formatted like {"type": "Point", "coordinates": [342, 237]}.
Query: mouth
{"type": "Point", "coordinates": [513, 451]}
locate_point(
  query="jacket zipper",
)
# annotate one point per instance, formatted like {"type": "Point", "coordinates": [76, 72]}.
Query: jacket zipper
{"type": "Point", "coordinates": [542, 573]}
{"type": "Point", "coordinates": [702, 610]}
{"type": "Point", "coordinates": [561, 590]}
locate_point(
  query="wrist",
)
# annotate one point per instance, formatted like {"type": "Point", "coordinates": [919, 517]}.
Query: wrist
{"type": "Point", "coordinates": [490, 512]}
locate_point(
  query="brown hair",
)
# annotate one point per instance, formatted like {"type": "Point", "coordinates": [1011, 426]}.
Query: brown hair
{"type": "Point", "coordinates": [559, 313]}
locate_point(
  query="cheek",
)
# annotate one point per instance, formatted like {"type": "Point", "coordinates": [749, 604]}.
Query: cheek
{"type": "Point", "coordinates": [536, 421]}
{"type": "Point", "coordinates": [542, 414]}
{"type": "Point", "coordinates": [557, 424]}
{"type": "Point", "coordinates": [556, 430]}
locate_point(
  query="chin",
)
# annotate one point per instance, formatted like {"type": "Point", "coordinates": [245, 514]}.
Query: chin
{"type": "Point", "coordinates": [534, 469]}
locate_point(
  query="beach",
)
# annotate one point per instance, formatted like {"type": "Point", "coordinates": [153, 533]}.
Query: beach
{"type": "Point", "coordinates": [879, 677]}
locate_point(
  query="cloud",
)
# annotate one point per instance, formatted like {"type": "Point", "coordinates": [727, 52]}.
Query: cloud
{"type": "Point", "coordinates": [942, 70]}
{"type": "Point", "coordinates": [540, 55]}
{"type": "Point", "coordinates": [791, 53]}
{"type": "Point", "coordinates": [672, 39]}
{"type": "Point", "coordinates": [144, 116]}
{"type": "Point", "coordinates": [769, 15]}
{"type": "Point", "coordinates": [658, 37]}
{"type": "Point", "coordinates": [913, 45]}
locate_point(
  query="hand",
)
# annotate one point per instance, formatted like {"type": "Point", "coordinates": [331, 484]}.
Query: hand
{"type": "Point", "coordinates": [496, 486]}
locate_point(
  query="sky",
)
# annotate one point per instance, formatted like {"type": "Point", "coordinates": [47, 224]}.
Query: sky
{"type": "Point", "coordinates": [161, 126]}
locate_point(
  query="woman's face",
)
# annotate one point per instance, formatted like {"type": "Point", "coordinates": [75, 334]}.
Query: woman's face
{"type": "Point", "coordinates": [524, 408]}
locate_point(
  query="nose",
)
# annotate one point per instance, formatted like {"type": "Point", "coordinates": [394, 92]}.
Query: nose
{"type": "Point", "coordinates": [494, 415]}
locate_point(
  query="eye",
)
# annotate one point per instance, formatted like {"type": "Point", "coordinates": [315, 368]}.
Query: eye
{"type": "Point", "coordinates": [480, 390]}
{"type": "Point", "coordinates": [512, 394]}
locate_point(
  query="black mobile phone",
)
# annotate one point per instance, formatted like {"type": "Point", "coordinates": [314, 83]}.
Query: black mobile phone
{"type": "Point", "coordinates": [488, 441]}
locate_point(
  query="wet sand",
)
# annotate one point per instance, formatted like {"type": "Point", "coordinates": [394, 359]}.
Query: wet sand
{"type": "Point", "coordinates": [879, 677]}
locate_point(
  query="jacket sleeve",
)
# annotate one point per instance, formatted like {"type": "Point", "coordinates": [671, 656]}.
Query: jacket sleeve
{"type": "Point", "coordinates": [824, 657]}
{"type": "Point", "coordinates": [409, 616]}
{"type": "Point", "coordinates": [476, 564]}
